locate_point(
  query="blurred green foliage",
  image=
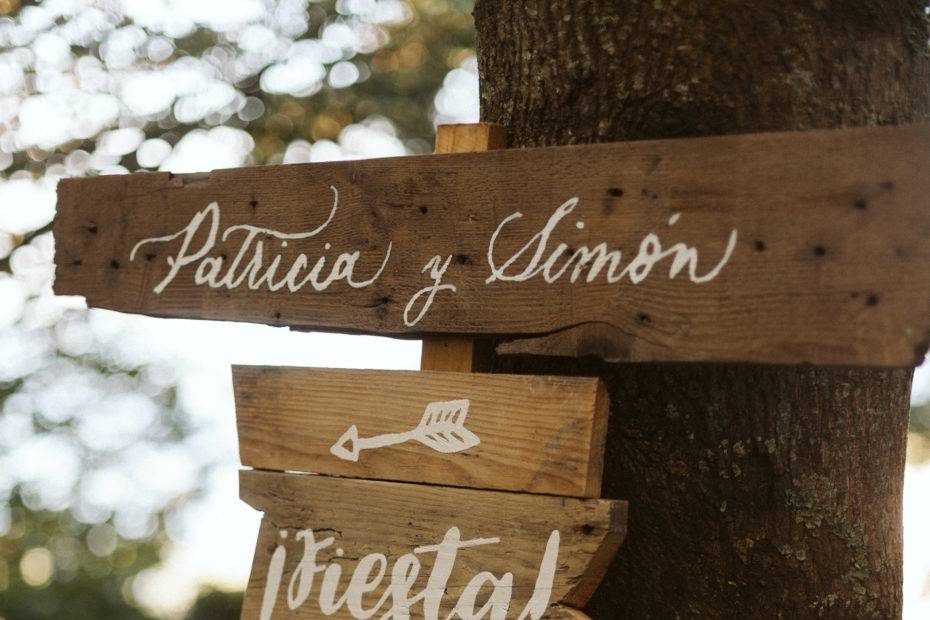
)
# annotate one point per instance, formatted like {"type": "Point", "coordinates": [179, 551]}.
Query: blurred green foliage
{"type": "Point", "coordinates": [48, 569]}
{"type": "Point", "coordinates": [404, 77]}
{"type": "Point", "coordinates": [216, 605]}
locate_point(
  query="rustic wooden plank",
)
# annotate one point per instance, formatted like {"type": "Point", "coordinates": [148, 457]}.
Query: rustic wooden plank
{"type": "Point", "coordinates": [828, 266]}
{"type": "Point", "coordinates": [461, 353]}
{"type": "Point", "coordinates": [363, 517]}
{"type": "Point", "coordinates": [470, 137]}
{"type": "Point", "coordinates": [537, 434]}
{"type": "Point", "coordinates": [457, 354]}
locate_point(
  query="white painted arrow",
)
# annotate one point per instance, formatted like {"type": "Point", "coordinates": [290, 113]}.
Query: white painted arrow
{"type": "Point", "coordinates": [442, 428]}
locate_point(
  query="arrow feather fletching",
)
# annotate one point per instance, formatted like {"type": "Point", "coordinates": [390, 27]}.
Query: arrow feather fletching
{"type": "Point", "coordinates": [443, 427]}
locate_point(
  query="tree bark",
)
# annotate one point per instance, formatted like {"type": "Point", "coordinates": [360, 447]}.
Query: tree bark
{"type": "Point", "coordinates": [756, 491]}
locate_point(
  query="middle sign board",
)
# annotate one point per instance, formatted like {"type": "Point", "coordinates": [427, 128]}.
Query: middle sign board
{"type": "Point", "coordinates": [509, 432]}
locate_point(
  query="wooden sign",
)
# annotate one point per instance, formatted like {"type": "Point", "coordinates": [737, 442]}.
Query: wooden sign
{"type": "Point", "coordinates": [332, 545]}
{"type": "Point", "coordinates": [342, 548]}
{"type": "Point", "coordinates": [781, 248]}
{"type": "Point", "coordinates": [534, 434]}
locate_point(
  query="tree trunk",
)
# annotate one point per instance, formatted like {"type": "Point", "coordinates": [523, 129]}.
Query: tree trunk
{"type": "Point", "coordinates": [756, 491]}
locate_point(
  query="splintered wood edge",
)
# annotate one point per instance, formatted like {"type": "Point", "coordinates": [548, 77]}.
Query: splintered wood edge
{"type": "Point", "coordinates": [602, 558]}
{"type": "Point", "coordinates": [598, 439]}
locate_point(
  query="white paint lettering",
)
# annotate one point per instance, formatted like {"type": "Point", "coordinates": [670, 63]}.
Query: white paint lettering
{"type": "Point", "coordinates": [535, 258]}
{"type": "Point", "coordinates": [256, 273]}
{"type": "Point", "coordinates": [437, 269]}
{"type": "Point", "coordinates": [370, 571]}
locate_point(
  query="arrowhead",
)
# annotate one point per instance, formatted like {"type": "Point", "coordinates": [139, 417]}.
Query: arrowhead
{"type": "Point", "coordinates": [346, 447]}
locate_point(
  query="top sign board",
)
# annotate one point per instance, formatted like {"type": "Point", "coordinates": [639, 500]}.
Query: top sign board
{"type": "Point", "coordinates": [778, 248]}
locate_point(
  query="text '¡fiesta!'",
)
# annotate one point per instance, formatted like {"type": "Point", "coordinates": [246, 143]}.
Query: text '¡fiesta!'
{"type": "Point", "coordinates": [396, 600]}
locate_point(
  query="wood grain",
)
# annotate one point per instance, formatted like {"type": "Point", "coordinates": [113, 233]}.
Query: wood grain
{"type": "Point", "coordinates": [538, 434]}
{"type": "Point", "coordinates": [829, 266]}
{"type": "Point", "coordinates": [470, 138]}
{"type": "Point", "coordinates": [456, 354]}
{"type": "Point", "coordinates": [461, 353]}
{"type": "Point", "coordinates": [368, 517]}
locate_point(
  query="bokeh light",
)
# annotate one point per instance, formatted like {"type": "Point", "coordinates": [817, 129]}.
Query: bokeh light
{"type": "Point", "coordinates": [118, 453]}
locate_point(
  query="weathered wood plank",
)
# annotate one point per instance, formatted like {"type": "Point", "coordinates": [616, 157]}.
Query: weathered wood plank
{"type": "Point", "coordinates": [827, 229]}
{"type": "Point", "coordinates": [512, 533]}
{"type": "Point", "coordinates": [536, 434]}
{"type": "Point", "coordinates": [470, 138]}
{"type": "Point", "coordinates": [456, 354]}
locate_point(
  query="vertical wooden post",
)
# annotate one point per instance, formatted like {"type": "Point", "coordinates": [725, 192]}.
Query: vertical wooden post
{"type": "Point", "coordinates": [456, 353]}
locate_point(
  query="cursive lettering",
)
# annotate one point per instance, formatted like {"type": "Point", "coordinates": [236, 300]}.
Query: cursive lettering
{"type": "Point", "coordinates": [220, 272]}
{"type": "Point", "coordinates": [548, 263]}
{"type": "Point", "coordinates": [371, 570]}
{"type": "Point", "coordinates": [437, 269]}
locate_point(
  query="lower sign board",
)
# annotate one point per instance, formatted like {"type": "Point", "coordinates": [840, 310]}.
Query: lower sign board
{"type": "Point", "coordinates": [342, 548]}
